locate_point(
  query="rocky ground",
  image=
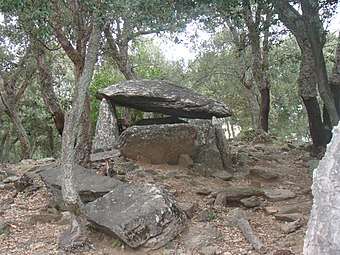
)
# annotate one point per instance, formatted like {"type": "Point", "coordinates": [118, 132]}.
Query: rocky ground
{"type": "Point", "coordinates": [271, 182]}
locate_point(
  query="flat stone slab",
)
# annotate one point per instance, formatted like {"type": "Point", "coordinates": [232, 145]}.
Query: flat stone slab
{"type": "Point", "coordinates": [231, 194]}
{"type": "Point", "coordinates": [275, 195]}
{"type": "Point", "coordinates": [163, 97]}
{"type": "Point", "coordinates": [264, 173]}
{"type": "Point", "coordinates": [88, 184]}
{"type": "Point", "coordinates": [140, 215]}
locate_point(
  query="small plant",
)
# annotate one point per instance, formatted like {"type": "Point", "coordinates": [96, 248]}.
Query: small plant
{"type": "Point", "coordinates": [117, 243]}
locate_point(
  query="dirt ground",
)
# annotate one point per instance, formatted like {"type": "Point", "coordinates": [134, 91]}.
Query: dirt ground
{"type": "Point", "coordinates": [32, 228]}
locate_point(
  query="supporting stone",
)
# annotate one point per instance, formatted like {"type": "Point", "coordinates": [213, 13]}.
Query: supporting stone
{"type": "Point", "coordinates": [107, 134]}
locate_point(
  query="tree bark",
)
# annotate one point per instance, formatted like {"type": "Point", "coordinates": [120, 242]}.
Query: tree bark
{"type": "Point", "coordinates": [75, 236]}
{"type": "Point", "coordinates": [22, 135]}
{"type": "Point", "coordinates": [46, 86]}
{"type": "Point", "coordinates": [323, 233]}
{"type": "Point", "coordinates": [316, 36]}
{"type": "Point", "coordinates": [259, 58]}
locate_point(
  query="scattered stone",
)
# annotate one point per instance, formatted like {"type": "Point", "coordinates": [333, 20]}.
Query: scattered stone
{"type": "Point", "coordinates": [143, 159]}
{"type": "Point", "coordinates": [98, 156]}
{"type": "Point", "coordinates": [163, 97]}
{"type": "Point", "coordinates": [188, 208]}
{"type": "Point", "coordinates": [276, 195]}
{"type": "Point", "coordinates": [185, 161]}
{"type": "Point", "coordinates": [202, 237]}
{"type": "Point", "coordinates": [3, 227]}
{"type": "Point", "coordinates": [264, 173]}
{"type": "Point", "coordinates": [202, 169]}
{"type": "Point", "coordinates": [250, 202]}
{"type": "Point", "coordinates": [270, 210]}
{"type": "Point", "coordinates": [283, 252]}
{"type": "Point", "coordinates": [224, 175]}
{"type": "Point", "coordinates": [290, 227]}
{"type": "Point", "coordinates": [140, 215]}
{"type": "Point", "coordinates": [203, 191]}
{"type": "Point", "coordinates": [11, 179]}
{"type": "Point", "coordinates": [44, 218]}
{"type": "Point", "coordinates": [207, 215]}
{"type": "Point", "coordinates": [24, 181]}
{"type": "Point", "coordinates": [242, 158]}
{"type": "Point", "coordinates": [6, 186]}
{"type": "Point", "coordinates": [289, 217]}
{"type": "Point", "coordinates": [238, 193]}
{"type": "Point", "coordinates": [208, 251]}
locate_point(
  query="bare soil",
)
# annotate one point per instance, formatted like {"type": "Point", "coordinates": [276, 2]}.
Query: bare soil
{"type": "Point", "coordinates": [30, 235]}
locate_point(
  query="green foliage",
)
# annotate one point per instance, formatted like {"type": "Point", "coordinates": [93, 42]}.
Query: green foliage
{"type": "Point", "coordinates": [101, 79]}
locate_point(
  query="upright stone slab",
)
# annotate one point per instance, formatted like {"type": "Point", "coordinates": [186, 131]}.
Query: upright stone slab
{"type": "Point", "coordinates": [140, 215]}
{"type": "Point", "coordinates": [107, 134]}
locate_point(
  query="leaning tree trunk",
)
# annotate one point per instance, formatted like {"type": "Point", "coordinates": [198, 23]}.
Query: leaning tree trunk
{"type": "Point", "coordinates": [323, 233]}
{"type": "Point", "coordinates": [46, 87]}
{"type": "Point", "coordinates": [315, 33]}
{"type": "Point", "coordinates": [75, 236]}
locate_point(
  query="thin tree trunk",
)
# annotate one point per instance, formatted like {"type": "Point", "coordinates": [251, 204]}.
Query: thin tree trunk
{"type": "Point", "coordinates": [264, 109]}
{"type": "Point", "coordinates": [76, 236]}
{"type": "Point", "coordinates": [46, 86]}
{"type": "Point", "coordinates": [22, 135]}
{"type": "Point", "coordinates": [3, 145]}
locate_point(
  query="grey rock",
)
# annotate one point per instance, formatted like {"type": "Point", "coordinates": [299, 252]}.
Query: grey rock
{"type": "Point", "coordinates": [98, 156]}
{"type": "Point", "coordinates": [160, 143]}
{"type": "Point", "coordinates": [3, 227]}
{"type": "Point", "coordinates": [289, 227]}
{"type": "Point", "coordinates": [88, 184]}
{"type": "Point", "coordinates": [201, 238]}
{"type": "Point", "coordinates": [238, 193]}
{"type": "Point", "coordinates": [166, 143]}
{"type": "Point", "coordinates": [224, 175]}
{"type": "Point", "coordinates": [275, 195]}
{"type": "Point", "coordinates": [11, 179]}
{"type": "Point", "coordinates": [140, 215]}
{"type": "Point", "coordinates": [188, 208]}
{"type": "Point", "coordinates": [250, 202]}
{"type": "Point", "coordinates": [290, 217]}
{"type": "Point", "coordinates": [163, 97]}
{"type": "Point", "coordinates": [208, 251]}
{"type": "Point", "coordinates": [203, 191]}
{"type": "Point", "coordinates": [185, 161]}
{"type": "Point", "coordinates": [202, 169]}
{"type": "Point", "coordinates": [6, 186]}
{"type": "Point", "coordinates": [264, 173]}
{"type": "Point", "coordinates": [106, 134]}
{"type": "Point", "coordinates": [44, 218]}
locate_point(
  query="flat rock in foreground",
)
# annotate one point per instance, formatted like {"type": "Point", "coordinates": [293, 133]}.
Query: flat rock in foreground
{"type": "Point", "coordinates": [164, 97]}
{"type": "Point", "coordinates": [88, 184]}
{"type": "Point", "coordinates": [140, 215]}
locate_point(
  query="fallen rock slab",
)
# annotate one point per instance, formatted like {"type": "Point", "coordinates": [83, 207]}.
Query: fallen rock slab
{"type": "Point", "coordinates": [88, 184]}
{"type": "Point", "coordinates": [163, 97]}
{"type": "Point", "coordinates": [289, 217]}
{"type": "Point", "coordinates": [236, 194]}
{"type": "Point", "coordinates": [264, 173]}
{"type": "Point", "coordinates": [140, 215]}
{"type": "Point", "coordinates": [275, 195]}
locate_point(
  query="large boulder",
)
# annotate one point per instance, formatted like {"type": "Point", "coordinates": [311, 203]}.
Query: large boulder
{"type": "Point", "coordinates": [159, 143]}
{"type": "Point", "coordinates": [140, 215]}
{"type": "Point", "coordinates": [164, 97]}
{"type": "Point", "coordinates": [164, 144]}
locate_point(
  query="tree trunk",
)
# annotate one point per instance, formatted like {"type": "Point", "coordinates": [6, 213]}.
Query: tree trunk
{"type": "Point", "coordinates": [323, 233]}
{"type": "Point", "coordinates": [316, 36]}
{"type": "Point", "coordinates": [46, 87]}
{"type": "Point", "coordinates": [316, 127]}
{"type": "Point", "coordinates": [259, 58]}
{"type": "Point", "coordinates": [75, 236]}
{"type": "Point", "coordinates": [264, 109]}
{"type": "Point", "coordinates": [22, 135]}
{"type": "Point", "coordinates": [84, 138]}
